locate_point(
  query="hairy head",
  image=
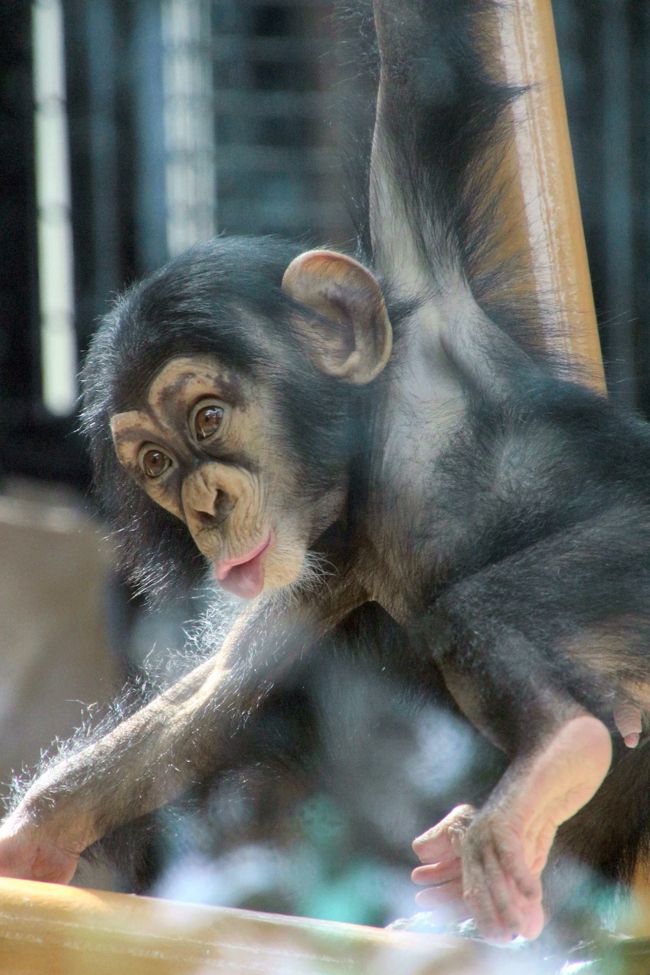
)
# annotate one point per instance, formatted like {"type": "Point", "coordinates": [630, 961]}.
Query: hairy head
{"type": "Point", "coordinates": [222, 409]}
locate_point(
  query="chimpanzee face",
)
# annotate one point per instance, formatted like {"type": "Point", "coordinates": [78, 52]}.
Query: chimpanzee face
{"type": "Point", "coordinates": [211, 447]}
{"type": "Point", "coordinates": [207, 447]}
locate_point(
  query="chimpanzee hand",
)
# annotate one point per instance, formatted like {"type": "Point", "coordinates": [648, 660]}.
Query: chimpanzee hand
{"type": "Point", "coordinates": [494, 858]}
{"type": "Point", "coordinates": [28, 852]}
{"type": "Point", "coordinates": [440, 850]}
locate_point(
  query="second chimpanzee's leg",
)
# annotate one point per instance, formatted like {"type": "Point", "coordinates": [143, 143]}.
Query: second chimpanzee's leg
{"type": "Point", "coordinates": [518, 645]}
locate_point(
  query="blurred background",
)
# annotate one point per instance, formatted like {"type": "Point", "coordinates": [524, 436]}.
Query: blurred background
{"type": "Point", "coordinates": [129, 129]}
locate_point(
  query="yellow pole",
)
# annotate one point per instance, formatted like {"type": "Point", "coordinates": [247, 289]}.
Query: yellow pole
{"type": "Point", "coordinates": [540, 208]}
{"type": "Point", "coordinates": [47, 929]}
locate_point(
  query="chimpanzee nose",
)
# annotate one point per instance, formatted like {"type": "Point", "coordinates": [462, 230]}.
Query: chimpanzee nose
{"type": "Point", "coordinates": [204, 499]}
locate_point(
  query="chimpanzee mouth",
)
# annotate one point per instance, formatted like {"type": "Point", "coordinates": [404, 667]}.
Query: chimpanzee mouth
{"type": "Point", "coordinates": [244, 576]}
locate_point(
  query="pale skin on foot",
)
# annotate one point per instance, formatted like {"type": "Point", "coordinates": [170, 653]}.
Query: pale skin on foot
{"type": "Point", "coordinates": [488, 864]}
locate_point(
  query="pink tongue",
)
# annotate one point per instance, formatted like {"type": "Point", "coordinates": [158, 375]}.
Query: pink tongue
{"type": "Point", "coordinates": [246, 580]}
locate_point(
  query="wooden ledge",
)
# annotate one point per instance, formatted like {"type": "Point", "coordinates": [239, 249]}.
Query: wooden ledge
{"type": "Point", "coordinates": [47, 928]}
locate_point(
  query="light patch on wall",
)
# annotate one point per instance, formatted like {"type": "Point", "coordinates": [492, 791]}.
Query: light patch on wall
{"type": "Point", "coordinates": [190, 176]}
{"type": "Point", "coordinates": [55, 274]}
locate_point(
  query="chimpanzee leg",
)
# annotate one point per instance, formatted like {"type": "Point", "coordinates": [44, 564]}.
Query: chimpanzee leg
{"type": "Point", "coordinates": [501, 849]}
{"type": "Point", "coordinates": [513, 643]}
{"type": "Point", "coordinates": [604, 843]}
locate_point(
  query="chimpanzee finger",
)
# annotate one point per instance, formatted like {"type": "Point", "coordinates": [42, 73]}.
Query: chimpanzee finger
{"type": "Point", "coordinates": [491, 896]}
{"type": "Point", "coordinates": [441, 841]}
{"type": "Point", "coordinates": [438, 873]}
{"type": "Point", "coordinates": [448, 897]}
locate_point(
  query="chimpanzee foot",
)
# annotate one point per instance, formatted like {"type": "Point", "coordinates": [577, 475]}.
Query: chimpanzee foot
{"type": "Point", "coordinates": [502, 850]}
{"type": "Point", "coordinates": [455, 847]}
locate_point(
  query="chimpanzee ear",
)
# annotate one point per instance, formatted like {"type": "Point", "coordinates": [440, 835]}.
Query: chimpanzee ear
{"type": "Point", "coordinates": [352, 337]}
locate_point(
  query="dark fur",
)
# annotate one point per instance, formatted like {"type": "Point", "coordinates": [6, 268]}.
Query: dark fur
{"type": "Point", "coordinates": [555, 538]}
{"type": "Point", "coordinates": [531, 528]}
{"type": "Point", "coordinates": [312, 736]}
{"type": "Point", "coordinates": [225, 281]}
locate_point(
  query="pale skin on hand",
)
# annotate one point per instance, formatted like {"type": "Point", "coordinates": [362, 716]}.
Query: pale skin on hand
{"type": "Point", "coordinates": [43, 840]}
{"type": "Point", "coordinates": [28, 851]}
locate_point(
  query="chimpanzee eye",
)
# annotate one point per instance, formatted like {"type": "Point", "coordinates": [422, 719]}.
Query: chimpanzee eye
{"type": "Point", "coordinates": [154, 462]}
{"type": "Point", "coordinates": [206, 420]}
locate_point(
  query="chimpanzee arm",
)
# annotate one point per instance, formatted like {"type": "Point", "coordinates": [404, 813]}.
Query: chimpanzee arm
{"type": "Point", "coordinates": [163, 749]}
{"type": "Point", "coordinates": [126, 773]}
